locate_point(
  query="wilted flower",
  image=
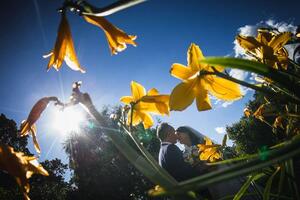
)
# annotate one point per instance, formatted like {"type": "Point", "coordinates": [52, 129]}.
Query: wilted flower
{"type": "Point", "coordinates": [247, 112]}
{"type": "Point", "coordinates": [196, 83]}
{"type": "Point", "coordinates": [278, 122]}
{"type": "Point", "coordinates": [209, 151]}
{"type": "Point", "coordinates": [64, 48]}
{"type": "Point", "coordinates": [267, 47]}
{"type": "Point", "coordinates": [259, 113]}
{"type": "Point", "coordinates": [117, 39]}
{"type": "Point", "coordinates": [144, 103]}
{"type": "Point", "coordinates": [20, 166]}
{"type": "Point", "coordinates": [28, 125]}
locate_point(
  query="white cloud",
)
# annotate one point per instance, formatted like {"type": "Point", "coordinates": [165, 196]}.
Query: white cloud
{"type": "Point", "coordinates": [220, 130]}
{"type": "Point", "coordinates": [225, 104]}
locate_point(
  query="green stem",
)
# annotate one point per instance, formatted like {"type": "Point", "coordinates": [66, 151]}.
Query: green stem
{"type": "Point", "coordinates": [148, 156]}
{"type": "Point", "coordinates": [131, 117]}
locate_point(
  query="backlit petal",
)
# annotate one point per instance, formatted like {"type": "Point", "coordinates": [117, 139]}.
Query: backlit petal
{"type": "Point", "coordinates": [117, 39]}
{"type": "Point", "coordinates": [33, 131]}
{"type": "Point", "coordinates": [183, 95]}
{"type": "Point", "coordinates": [153, 91]}
{"type": "Point", "coordinates": [127, 99]}
{"type": "Point", "coordinates": [181, 72]}
{"type": "Point", "coordinates": [34, 114]}
{"type": "Point", "coordinates": [279, 40]}
{"type": "Point", "coordinates": [248, 43]}
{"type": "Point", "coordinates": [64, 48]}
{"type": "Point", "coordinates": [137, 90]}
{"type": "Point", "coordinates": [202, 98]}
{"type": "Point", "coordinates": [136, 119]}
{"type": "Point", "coordinates": [194, 54]}
{"type": "Point", "coordinates": [222, 88]}
{"type": "Point", "coordinates": [147, 119]}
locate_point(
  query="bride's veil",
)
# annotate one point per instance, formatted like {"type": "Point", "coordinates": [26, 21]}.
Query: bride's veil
{"type": "Point", "coordinates": [196, 136]}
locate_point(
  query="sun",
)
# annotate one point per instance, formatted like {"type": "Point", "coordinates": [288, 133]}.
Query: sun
{"type": "Point", "coordinates": [68, 120]}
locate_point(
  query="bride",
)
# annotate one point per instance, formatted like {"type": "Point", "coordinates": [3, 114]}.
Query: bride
{"type": "Point", "coordinates": [190, 138]}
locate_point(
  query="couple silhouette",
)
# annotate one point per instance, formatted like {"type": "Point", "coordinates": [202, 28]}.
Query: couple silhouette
{"type": "Point", "coordinates": [172, 159]}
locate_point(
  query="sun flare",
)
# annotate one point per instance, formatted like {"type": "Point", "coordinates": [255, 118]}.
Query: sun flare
{"type": "Point", "coordinates": [68, 120]}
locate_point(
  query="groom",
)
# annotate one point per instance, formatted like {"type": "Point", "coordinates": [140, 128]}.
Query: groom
{"type": "Point", "coordinates": [170, 156]}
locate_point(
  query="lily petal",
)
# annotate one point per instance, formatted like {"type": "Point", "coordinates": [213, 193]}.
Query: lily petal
{"type": "Point", "coordinates": [117, 39]}
{"type": "Point", "coordinates": [279, 40]}
{"type": "Point", "coordinates": [194, 54]}
{"type": "Point", "coordinates": [137, 90]}
{"type": "Point", "coordinates": [222, 88]}
{"type": "Point", "coordinates": [64, 48]}
{"type": "Point", "coordinates": [146, 118]}
{"type": "Point", "coordinates": [248, 43]}
{"type": "Point", "coordinates": [183, 95]}
{"type": "Point", "coordinates": [152, 91]}
{"type": "Point", "coordinates": [202, 98]}
{"type": "Point", "coordinates": [127, 99]}
{"type": "Point", "coordinates": [181, 72]}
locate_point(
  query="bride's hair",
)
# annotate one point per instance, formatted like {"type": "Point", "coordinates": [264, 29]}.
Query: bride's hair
{"type": "Point", "coordinates": [194, 138]}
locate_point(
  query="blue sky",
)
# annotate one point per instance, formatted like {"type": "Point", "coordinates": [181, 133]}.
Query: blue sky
{"type": "Point", "coordinates": [164, 28]}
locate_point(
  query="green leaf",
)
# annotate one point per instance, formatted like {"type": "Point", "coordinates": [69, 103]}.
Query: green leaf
{"type": "Point", "coordinates": [224, 140]}
{"type": "Point", "coordinates": [238, 63]}
{"type": "Point", "coordinates": [247, 184]}
{"type": "Point", "coordinates": [285, 80]}
{"type": "Point", "coordinates": [267, 189]}
{"type": "Point", "coordinates": [281, 179]}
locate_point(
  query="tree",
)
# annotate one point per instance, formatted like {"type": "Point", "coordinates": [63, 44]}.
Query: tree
{"type": "Point", "coordinates": [100, 170]}
{"type": "Point", "coordinates": [250, 134]}
{"type": "Point", "coordinates": [51, 187]}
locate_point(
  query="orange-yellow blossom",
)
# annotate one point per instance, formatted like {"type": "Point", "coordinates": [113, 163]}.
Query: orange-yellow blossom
{"type": "Point", "coordinates": [64, 49]}
{"type": "Point", "coordinates": [209, 151]}
{"type": "Point", "coordinates": [197, 84]}
{"type": "Point", "coordinates": [28, 125]}
{"type": "Point", "coordinates": [144, 103]}
{"type": "Point", "coordinates": [117, 39]}
{"type": "Point", "coordinates": [267, 47]}
{"type": "Point", "coordinates": [20, 166]}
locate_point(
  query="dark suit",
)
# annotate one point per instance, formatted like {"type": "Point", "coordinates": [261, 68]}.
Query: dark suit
{"type": "Point", "coordinates": [171, 159]}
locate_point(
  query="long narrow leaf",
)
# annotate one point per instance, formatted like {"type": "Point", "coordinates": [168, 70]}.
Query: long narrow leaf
{"type": "Point", "coordinates": [239, 63]}
{"type": "Point", "coordinates": [289, 150]}
{"type": "Point", "coordinates": [286, 81]}
{"type": "Point", "coordinates": [246, 185]}
{"type": "Point", "coordinates": [267, 189]}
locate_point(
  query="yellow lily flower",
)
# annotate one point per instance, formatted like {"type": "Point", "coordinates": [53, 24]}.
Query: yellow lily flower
{"type": "Point", "coordinates": [197, 85]}
{"type": "Point", "coordinates": [267, 48]}
{"type": "Point", "coordinates": [20, 166]}
{"type": "Point", "coordinates": [209, 151]}
{"type": "Point", "coordinates": [117, 39]}
{"type": "Point", "coordinates": [144, 103]}
{"type": "Point", "coordinates": [64, 49]}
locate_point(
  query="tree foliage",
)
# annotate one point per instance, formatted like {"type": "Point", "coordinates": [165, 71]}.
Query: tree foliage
{"type": "Point", "coordinates": [100, 170]}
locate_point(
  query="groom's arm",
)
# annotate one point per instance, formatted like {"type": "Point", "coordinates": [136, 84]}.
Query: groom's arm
{"type": "Point", "coordinates": [178, 168]}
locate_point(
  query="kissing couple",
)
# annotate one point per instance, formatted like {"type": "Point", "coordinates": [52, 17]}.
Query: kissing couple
{"type": "Point", "coordinates": [177, 164]}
